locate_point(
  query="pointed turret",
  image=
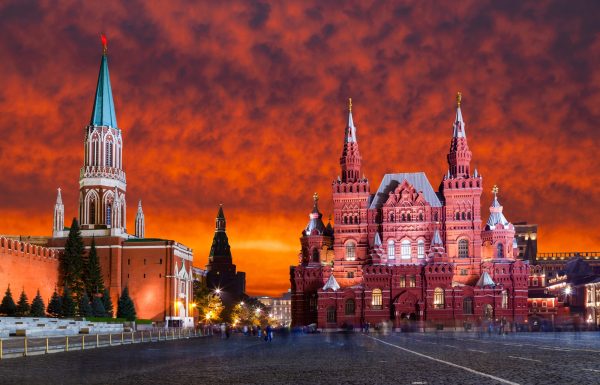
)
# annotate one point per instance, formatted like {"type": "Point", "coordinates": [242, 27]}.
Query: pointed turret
{"type": "Point", "coordinates": [496, 215]}
{"type": "Point", "coordinates": [459, 157]}
{"type": "Point", "coordinates": [331, 284]}
{"type": "Point", "coordinates": [351, 159]}
{"type": "Point", "coordinates": [315, 223]}
{"type": "Point", "coordinates": [437, 251]}
{"type": "Point", "coordinates": [59, 216]}
{"type": "Point", "coordinates": [140, 222]}
{"type": "Point", "coordinates": [103, 112]}
{"type": "Point", "coordinates": [220, 250]}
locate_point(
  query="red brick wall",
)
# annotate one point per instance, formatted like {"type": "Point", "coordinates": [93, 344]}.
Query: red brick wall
{"type": "Point", "coordinates": [29, 267]}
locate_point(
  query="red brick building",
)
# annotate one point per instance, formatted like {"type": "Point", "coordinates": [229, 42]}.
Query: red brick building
{"type": "Point", "coordinates": [408, 252]}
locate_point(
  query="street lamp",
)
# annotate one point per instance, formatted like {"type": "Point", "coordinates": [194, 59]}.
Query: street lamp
{"type": "Point", "coordinates": [217, 291]}
{"type": "Point", "coordinates": [568, 290]}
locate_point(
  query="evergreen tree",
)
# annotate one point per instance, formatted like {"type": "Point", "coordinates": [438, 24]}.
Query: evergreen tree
{"type": "Point", "coordinates": [98, 307]}
{"type": "Point", "coordinates": [37, 306]}
{"type": "Point", "coordinates": [108, 305]}
{"type": "Point", "coordinates": [85, 310]}
{"type": "Point", "coordinates": [8, 306]}
{"type": "Point", "coordinates": [72, 261]}
{"type": "Point", "coordinates": [94, 282]}
{"type": "Point", "coordinates": [55, 305]}
{"type": "Point", "coordinates": [68, 304]}
{"type": "Point", "coordinates": [23, 307]}
{"type": "Point", "coordinates": [125, 307]}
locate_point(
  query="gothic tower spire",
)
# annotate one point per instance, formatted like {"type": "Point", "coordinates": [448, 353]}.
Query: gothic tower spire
{"type": "Point", "coordinates": [459, 157]}
{"type": "Point", "coordinates": [350, 159]}
{"type": "Point", "coordinates": [140, 223]}
{"type": "Point", "coordinates": [59, 216]}
{"type": "Point", "coordinates": [102, 182]}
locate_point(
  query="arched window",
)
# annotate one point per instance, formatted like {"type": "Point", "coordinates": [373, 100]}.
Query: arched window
{"type": "Point", "coordinates": [468, 305]}
{"type": "Point", "coordinates": [391, 217]}
{"type": "Point", "coordinates": [421, 216]}
{"type": "Point", "coordinates": [463, 248]}
{"type": "Point", "coordinates": [331, 314]}
{"type": "Point", "coordinates": [349, 307]}
{"type": "Point", "coordinates": [391, 249]}
{"type": "Point", "coordinates": [405, 250]}
{"type": "Point", "coordinates": [92, 216]}
{"type": "Point", "coordinates": [377, 299]}
{"type": "Point", "coordinates": [403, 217]}
{"type": "Point", "coordinates": [464, 216]}
{"type": "Point", "coordinates": [500, 250]}
{"type": "Point", "coordinates": [315, 255]}
{"type": "Point", "coordinates": [350, 251]}
{"type": "Point", "coordinates": [504, 299]}
{"type": "Point", "coordinates": [109, 161]}
{"type": "Point", "coordinates": [435, 217]}
{"type": "Point", "coordinates": [457, 216]}
{"type": "Point", "coordinates": [438, 298]}
{"type": "Point", "coordinates": [108, 214]}
{"type": "Point", "coordinates": [469, 215]}
{"type": "Point", "coordinates": [408, 217]}
{"type": "Point", "coordinates": [421, 249]}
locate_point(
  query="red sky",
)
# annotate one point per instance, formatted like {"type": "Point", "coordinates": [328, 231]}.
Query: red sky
{"type": "Point", "coordinates": [243, 103]}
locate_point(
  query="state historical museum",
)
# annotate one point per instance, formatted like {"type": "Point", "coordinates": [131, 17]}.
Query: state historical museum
{"type": "Point", "coordinates": [407, 252]}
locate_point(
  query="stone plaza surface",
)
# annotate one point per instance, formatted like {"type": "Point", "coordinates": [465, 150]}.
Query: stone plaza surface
{"type": "Point", "coordinates": [336, 358]}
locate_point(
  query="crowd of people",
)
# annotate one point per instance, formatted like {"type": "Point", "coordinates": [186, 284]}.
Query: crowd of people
{"type": "Point", "coordinates": [264, 332]}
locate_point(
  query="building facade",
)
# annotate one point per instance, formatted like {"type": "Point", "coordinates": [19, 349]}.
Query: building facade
{"type": "Point", "coordinates": [406, 251]}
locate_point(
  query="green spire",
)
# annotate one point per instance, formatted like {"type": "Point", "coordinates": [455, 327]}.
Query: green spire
{"type": "Point", "coordinates": [103, 113]}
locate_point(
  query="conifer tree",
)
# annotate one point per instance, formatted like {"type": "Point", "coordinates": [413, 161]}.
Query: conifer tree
{"type": "Point", "coordinates": [55, 305]}
{"type": "Point", "coordinates": [125, 307]}
{"type": "Point", "coordinates": [68, 304]}
{"type": "Point", "coordinates": [108, 305]}
{"type": "Point", "coordinates": [72, 261]}
{"type": "Point", "coordinates": [98, 307]}
{"type": "Point", "coordinates": [94, 282]}
{"type": "Point", "coordinates": [23, 307]}
{"type": "Point", "coordinates": [37, 306]}
{"type": "Point", "coordinates": [85, 310]}
{"type": "Point", "coordinates": [8, 306]}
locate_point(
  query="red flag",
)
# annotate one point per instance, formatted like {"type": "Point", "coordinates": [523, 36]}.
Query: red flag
{"type": "Point", "coordinates": [104, 42]}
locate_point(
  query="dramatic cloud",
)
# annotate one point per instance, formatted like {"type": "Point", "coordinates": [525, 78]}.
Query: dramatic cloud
{"type": "Point", "coordinates": [243, 103]}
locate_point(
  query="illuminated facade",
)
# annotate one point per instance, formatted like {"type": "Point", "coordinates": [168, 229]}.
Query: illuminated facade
{"type": "Point", "coordinates": [408, 252]}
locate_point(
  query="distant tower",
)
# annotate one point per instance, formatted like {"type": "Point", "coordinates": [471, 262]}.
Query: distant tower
{"type": "Point", "coordinates": [350, 203]}
{"type": "Point", "coordinates": [102, 183]}
{"type": "Point", "coordinates": [59, 216]}
{"type": "Point", "coordinates": [221, 273]}
{"type": "Point", "coordinates": [139, 221]}
{"type": "Point", "coordinates": [316, 238]}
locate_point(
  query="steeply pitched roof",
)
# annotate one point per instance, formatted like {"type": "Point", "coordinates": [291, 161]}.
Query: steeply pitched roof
{"type": "Point", "coordinates": [331, 284]}
{"type": "Point", "coordinates": [103, 112]}
{"type": "Point", "coordinates": [485, 280]}
{"type": "Point", "coordinates": [417, 179]}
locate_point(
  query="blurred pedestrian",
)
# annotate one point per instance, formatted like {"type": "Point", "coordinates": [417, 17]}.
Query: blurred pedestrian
{"type": "Point", "coordinates": [259, 331]}
{"type": "Point", "coordinates": [223, 330]}
{"type": "Point", "coordinates": [269, 332]}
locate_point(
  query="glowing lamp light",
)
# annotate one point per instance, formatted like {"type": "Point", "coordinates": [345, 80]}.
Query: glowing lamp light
{"type": "Point", "coordinates": [568, 290]}
{"type": "Point", "coordinates": [217, 291]}
{"type": "Point", "coordinates": [242, 303]}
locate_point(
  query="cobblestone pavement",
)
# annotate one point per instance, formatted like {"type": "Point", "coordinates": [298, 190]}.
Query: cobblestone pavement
{"type": "Point", "coordinates": [443, 358]}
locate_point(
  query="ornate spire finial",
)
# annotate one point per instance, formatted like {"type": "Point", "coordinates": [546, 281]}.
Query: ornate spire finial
{"type": "Point", "coordinates": [495, 190]}
{"type": "Point", "coordinates": [350, 104]}
{"type": "Point", "coordinates": [315, 197]}
{"type": "Point", "coordinates": [104, 44]}
{"type": "Point", "coordinates": [458, 99]}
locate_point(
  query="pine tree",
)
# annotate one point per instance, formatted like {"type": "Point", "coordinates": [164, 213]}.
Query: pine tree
{"type": "Point", "coordinates": [8, 306]}
{"type": "Point", "coordinates": [98, 307]}
{"type": "Point", "coordinates": [125, 307]}
{"type": "Point", "coordinates": [108, 305]}
{"type": "Point", "coordinates": [55, 305]}
{"type": "Point", "coordinates": [85, 310]}
{"type": "Point", "coordinates": [23, 307]}
{"type": "Point", "coordinates": [93, 274]}
{"type": "Point", "coordinates": [72, 261]}
{"type": "Point", "coordinates": [68, 304]}
{"type": "Point", "coordinates": [37, 306]}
